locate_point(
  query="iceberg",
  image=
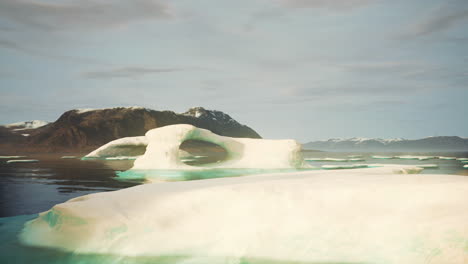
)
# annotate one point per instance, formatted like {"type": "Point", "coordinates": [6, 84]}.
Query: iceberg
{"type": "Point", "coordinates": [162, 150]}
{"type": "Point", "coordinates": [465, 166]}
{"type": "Point", "coordinates": [367, 215]}
{"type": "Point", "coordinates": [23, 161]}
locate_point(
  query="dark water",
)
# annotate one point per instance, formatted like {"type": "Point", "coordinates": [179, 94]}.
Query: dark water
{"type": "Point", "coordinates": [29, 188]}
{"type": "Point", "coordinates": [444, 166]}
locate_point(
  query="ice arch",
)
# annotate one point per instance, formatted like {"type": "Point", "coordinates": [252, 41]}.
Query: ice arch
{"type": "Point", "coordinates": [128, 146]}
{"type": "Point", "coordinates": [162, 150]}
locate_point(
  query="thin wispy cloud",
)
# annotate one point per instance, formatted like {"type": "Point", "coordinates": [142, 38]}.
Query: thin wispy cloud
{"type": "Point", "coordinates": [128, 72]}
{"type": "Point", "coordinates": [82, 14]}
{"type": "Point", "coordinates": [328, 4]}
{"type": "Point", "coordinates": [285, 6]}
{"type": "Point", "coordinates": [450, 14]}
{"type": "Point", "coordinates": [15, 46]}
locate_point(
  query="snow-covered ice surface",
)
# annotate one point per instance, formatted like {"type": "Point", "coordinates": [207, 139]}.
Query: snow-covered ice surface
{"type": "Point", "coordinates": [367, 215]}
{"type": "Point", "coordinates": [162, 150]}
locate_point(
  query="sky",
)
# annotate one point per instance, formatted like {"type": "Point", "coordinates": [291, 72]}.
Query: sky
{"type": "Point", "coordinates": [302, 69]}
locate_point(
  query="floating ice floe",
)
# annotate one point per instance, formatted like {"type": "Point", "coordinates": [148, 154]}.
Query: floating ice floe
{"type": "Point", "coordinates": [12, 157]}
{"type": "Point", "coordinates": [356, 159]}
{"type": "Point", "coordinates": [336, 167]}
{"type": "Point", "coordinates": [23, 161]}
{"type": "Point", "coordinates": [326, 159]}
{"type": "Point", "coordinates": [428, 166]}
{"type": "Point", "coordinates": [447, 158]}
{"type": "Point", "coordinates": [382, 157]}
{"type": "Point", "coordinates": [354, 156]}
{"type": "Point", "coordinates": [68, 157]}
{"type": "Point", "coordinates": [465, 166]}
{"type": "Point", "coordinates": [462, 159]}
{"type": "Point", "coordinates": [122, 158]}
{"type": "Point", "coordinates": [410, 157]}
{"type": "Point", "coordinates": [351, 216]}
{"type": "Point", "coordinates": [162, 150]}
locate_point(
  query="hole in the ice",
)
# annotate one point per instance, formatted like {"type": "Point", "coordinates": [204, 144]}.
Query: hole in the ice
{"type": "Point", "coordinates": [126, 150]}
{"type": "Point", "coordinates": [199, 153]}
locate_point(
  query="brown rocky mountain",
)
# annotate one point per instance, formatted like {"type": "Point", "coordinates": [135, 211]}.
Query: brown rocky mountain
{"type": "Point", "coordinates": [85, 130]}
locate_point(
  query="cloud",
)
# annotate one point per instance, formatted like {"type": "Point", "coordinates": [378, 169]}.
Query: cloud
{"type": "Point", "coordinates": [328, 4]}
{"type": "Point", "coordinates": [81, 14]}
{"type": "Point", "coordinates": [128, 72]}
{"type": "Point", "coordinates": [278, 12]}
{"type": "Point", "coordinates": [450, 14]}
{"type": "Point", "coordinates": [11, 45]}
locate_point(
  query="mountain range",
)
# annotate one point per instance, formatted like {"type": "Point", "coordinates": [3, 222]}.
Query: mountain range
{"type": "Point", "coordinates": [440, 143]}
{"type": "Point", "coordinates": [82, 130]}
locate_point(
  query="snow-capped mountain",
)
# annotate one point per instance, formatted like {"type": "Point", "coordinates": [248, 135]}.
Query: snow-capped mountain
{"type": "Point", "coordinates": [85, 129]}
{"type": "Point", "coordinates": [360, 140]}
{"type": "Point", "coordinates": [210, 115]}
{"type": "Point", "coordinates": [445, 143]}
{"type": "Point", "coordinates": [33, 124]}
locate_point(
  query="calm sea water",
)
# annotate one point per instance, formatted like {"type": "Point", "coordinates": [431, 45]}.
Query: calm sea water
{"type": "Point", "coordinates": [29, 188]}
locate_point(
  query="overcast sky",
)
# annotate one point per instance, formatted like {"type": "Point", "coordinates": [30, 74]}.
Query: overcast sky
{"type": "Point", "coordinates": [303, 69]}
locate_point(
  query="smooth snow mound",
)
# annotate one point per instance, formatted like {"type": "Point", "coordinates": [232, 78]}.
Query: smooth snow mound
{"type": "Point", "coordinates": [355, 216]}
{"type": "Point", "coordinates": [162, 150]}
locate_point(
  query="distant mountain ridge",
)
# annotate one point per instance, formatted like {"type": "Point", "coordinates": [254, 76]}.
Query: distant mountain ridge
{"type": "Point", "coordinates": [81, 130]}
{"type": "Point", "coordinates": [440, 143]}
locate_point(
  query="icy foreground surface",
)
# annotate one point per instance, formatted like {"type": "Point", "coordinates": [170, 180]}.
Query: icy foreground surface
{"type": "Point", "coordinates": [162, 151]}
{"type": "Point", "coordinates": [361, 215]}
